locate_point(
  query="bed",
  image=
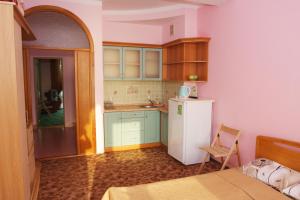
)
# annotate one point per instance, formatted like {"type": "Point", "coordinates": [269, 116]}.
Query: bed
{"type": "Point", "coordinates": [228, 184]}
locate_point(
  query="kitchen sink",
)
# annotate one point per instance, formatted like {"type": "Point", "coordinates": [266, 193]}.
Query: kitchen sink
{"type": "Point", "coordinates": [149, 106]}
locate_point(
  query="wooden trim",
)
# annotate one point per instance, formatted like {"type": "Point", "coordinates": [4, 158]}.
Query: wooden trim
{"type": "Point", "coordinates": [27, 87]}
{"type": "Point", "coordinates": [126, 44]}
{"type": "Point", "coordinates": [282, 151]}
{"type": "Point", "coordinates": [186, 40]}
{"type": "Point", "coordinates": [76, 102]}
{"type": "Point", "coordinates": [143, 45]}
{"type": "Point", "coordinates": [55, 48]}
{"type": "Point", "coordinates": [49, 8]}
{"type": "Point", "coordinates": [62, 157]}
{"type": "Point", "coordinates": [132, 147]}
{"type": "Point", "coordinates": [27, 33]}
{"type": "Point", "coordinates": [86, 139]}
{"type": "Point", "coordinates": [36, 181]}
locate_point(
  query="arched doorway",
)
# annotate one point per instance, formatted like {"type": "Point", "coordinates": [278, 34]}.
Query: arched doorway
{"type": "Point", "coordinates": [84, 81]}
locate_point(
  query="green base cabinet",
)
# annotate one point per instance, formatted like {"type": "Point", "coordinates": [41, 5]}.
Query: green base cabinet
{"type": "Point", "coordinates": [152, 126]}
{"type": "Point", "coordinates": [164, 128]}
{"type": "Point", "coordinates": [112, 129]}
{"type": "Point", "coordinates": [130, 128]}
{"type": "Point", "coordinates": [133, 131]}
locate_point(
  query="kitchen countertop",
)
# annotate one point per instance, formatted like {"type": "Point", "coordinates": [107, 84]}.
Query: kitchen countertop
{"type": "Point", "coordinates": [129, 108]}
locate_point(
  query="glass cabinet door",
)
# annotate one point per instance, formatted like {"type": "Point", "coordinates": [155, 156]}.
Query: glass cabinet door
{"type": "Point", "coordinates": [152, 64]}
{"type": "Point", "coordinates": [132, 63]}
{"type": "Point", "coordinates": [112, 63]}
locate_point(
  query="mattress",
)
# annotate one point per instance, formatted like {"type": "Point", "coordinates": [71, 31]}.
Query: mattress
{"type": "Point", "coordinates": [228, 184]}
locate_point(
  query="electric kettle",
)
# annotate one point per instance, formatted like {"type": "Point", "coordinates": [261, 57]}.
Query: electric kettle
{"type": "Point", "coordinates": [184, 92]}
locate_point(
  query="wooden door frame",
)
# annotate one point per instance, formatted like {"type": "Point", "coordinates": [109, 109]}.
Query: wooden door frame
{"type": "Point", "coordinates": [60, 10]}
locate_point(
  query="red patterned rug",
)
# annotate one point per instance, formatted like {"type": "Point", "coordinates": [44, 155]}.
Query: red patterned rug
{"type": "Point", "coordinates": [88, 177]}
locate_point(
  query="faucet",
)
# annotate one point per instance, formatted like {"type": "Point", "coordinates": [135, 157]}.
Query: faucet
{"type": "Point", "coordinates": [151, 101]}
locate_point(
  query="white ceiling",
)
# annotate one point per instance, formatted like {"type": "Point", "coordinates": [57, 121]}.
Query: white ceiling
{"type": "Point", "coordinates": [124, 5]}
{"type": "Point", "coordinates": [134, 4]}
{"type": "Point", "coordinates": [198, 2]}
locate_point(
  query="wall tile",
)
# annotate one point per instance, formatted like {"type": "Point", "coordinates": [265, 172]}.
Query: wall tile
{"type": "Point", "coordinates": [137, 92]}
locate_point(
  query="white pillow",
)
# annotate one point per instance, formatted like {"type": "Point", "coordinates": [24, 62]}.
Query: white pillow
{"type": "Point", "coordinates": [292, 179]}
{"type": "Point", "coordinates": [267, 171]}
{"type": "Point", "coordinates": [293, 191]}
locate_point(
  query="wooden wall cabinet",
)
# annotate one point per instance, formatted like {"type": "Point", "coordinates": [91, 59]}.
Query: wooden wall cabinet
{"type": "Point", "coordinates": [132, 63]}
{"type": "Point", "coordinates": [185, 57]}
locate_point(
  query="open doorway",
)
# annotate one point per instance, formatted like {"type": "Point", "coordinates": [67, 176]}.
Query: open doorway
{"type": "Point", "coordinates": [60, 33]}
{"type": "Point", "coordinates": [54, 103]}
{"type": "Point", "coordinates": [49, 92]}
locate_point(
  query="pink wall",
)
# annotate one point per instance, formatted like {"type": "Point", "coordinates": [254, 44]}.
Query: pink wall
{"type": "Point", "coordinates": [254, 73]}
{"type": "Point", "coordinates": [151, 25]}
{"type": "Point", "coordinates": [179, 29]}
{"type": "Point", "coordinates": [131, 32]}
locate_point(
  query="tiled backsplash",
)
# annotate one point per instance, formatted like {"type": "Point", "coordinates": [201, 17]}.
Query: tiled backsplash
{"type": "Point", "coordinates": [132, 92]}
{"type": "Point", "coordinates": [170, 90]}
{"type": "Point", "coordinates": [137, 92]}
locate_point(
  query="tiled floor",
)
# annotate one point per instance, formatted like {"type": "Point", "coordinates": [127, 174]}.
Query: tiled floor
{"type": "Point", "coordinates": [55, 142]}
{"type": "Point", "coordinates": [88, 177]}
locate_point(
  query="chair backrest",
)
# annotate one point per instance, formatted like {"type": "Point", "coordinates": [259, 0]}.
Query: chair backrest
{"type": "Point", "coordinates": [225, 129]}
{"type": "Point", "coordinates": [229, 130]}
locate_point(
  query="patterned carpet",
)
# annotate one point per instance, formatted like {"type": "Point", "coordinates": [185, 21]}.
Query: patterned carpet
{"type": "Point", "coordinates": [88, 177]}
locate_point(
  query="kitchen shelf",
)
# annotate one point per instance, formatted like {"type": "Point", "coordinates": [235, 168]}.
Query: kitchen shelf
{"type": "Point", "coordinates": [181, 62]}
{"type": "Point", "coordinates": [194, 81]}
{"type": "Point", "coordinates": [184, 57]}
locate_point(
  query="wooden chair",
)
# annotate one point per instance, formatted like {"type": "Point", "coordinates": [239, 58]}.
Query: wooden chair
{"type": "Point", "coordinates": [217, 150]}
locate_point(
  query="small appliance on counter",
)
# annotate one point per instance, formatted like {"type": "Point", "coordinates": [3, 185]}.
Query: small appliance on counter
{"type": "Point", "coordinates": [188, 90]}
{"type": "Point", "coordinates": [184, 92]}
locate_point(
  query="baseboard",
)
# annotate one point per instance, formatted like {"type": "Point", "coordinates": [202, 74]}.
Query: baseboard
{"type": "Point", "coordinates": [62, 157]}
{"type": "Point", "coordinates": [132, 147]}
{"type": "Point", "coordinates": [36, 181]}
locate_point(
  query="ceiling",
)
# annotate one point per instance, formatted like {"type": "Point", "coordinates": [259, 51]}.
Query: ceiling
{"type": "Point", "coordinates": [134, 4]}
{"type": "Point", "coordinates": [124, 5]}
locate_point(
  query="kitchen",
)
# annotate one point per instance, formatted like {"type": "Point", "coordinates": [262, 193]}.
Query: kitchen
{"type": "Point", "coordinates": [140, 81]}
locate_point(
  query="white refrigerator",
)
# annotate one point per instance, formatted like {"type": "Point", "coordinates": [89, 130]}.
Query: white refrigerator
{"type": "Point", "coordinates": [189, 128]}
